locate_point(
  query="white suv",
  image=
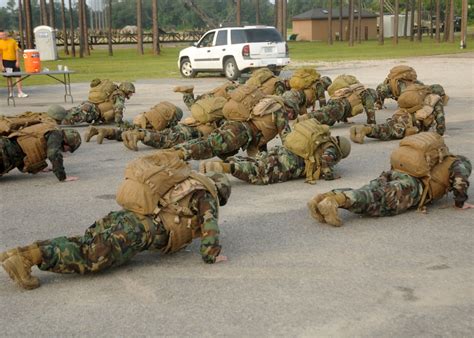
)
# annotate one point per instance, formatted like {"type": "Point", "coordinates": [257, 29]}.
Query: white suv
{"type": "Point", "coordinates": [233, 50]}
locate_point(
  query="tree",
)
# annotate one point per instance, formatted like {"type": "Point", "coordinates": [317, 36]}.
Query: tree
{"type": "Point", "coordinates": [44, 13]}
{"type": "Point", "coordinates": [464, 24]}
{"type": "Point", "coordinates": [20, 24]}
{"type": "Point", "coordinates": [330, 23]}
{"type": "Point", "coordinates": [52, 16]}
{"type": "Point", "coordinates": [139, 28]}
{"type": "Point", "coordinates": [71, 29]}
{"type": "Point", "coordinates": [63, 24]}
{"type": "Point", "coordinates": [412, 20]}
{"type": "Point", "coordinates": [238, 11]}
{"type": "Point", "coordinates": [351, 22]}
{"type": "Point", "coordinates": [405, 28]}
{"type": "Point", "coordinates": [395, 23]}
{"type": "Point", "coordinates": [28, 24]}
{"type": "Point", "coordinates": [341, 28]}
{"type": "Point", "coordinates": [437, 23]}
{"type": "Point", "coordinates": [86, 31]}
{"type": "Point", "coordinates": [109, 28]}
{"type": "Point", "coordinates": [418, 21]}
{"type": "Point", "coordinates": [81, 29]}
{"type": "Point", "coordinates": [359, 21]}
{"type": "Point", "coordinates": [451, 21]}
{"type": "Point", "coordinates": [381, 37]}
{"type": "Point", "coordinates": [257, 12]}
{"type": "Point", "coordinates": [156, 30]}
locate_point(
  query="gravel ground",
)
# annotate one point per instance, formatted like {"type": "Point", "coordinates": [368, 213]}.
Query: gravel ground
{"type": "Point", "coordinates": [410, 275]}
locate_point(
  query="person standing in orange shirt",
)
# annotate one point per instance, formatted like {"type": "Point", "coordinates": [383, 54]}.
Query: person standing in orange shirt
{"type": "Point", "coordinates": [10, 58]}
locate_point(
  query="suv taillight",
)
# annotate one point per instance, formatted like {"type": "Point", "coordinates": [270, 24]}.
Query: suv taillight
{"type": "Point", "coordinates": [246, 51]}
{"type": "Point", "coordinates": [287, 49]}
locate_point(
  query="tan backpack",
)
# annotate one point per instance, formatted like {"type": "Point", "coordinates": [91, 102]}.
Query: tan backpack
{"type": "Point", "coordinates": [10, 124]}
{"type": "Point", "coordinates": [412, 98]}
{"type": "Point", "coordinates": [160, 115]}
{"type": "Point", "coordinates": [102, 91]}
{"type": "Point", "coordinates": [208, 109]}
{"type": "Point", "coordinates": [340, 82]}
{"type": "Point", "coordinates": [259, 77]}
{"type": "Point", "coordinates": [221, 91]}
{"type": "Point", "coordinates": [303, 78]}
{"type": "Point", "coordinates": [242, 100]}
{"type": "Point", "coordinates": [262, 117]}
{"type": "Point", "coordinates": [352, 94]}
{"type": "Point", "coordinates": [304, 140]}
{"type": "Point", "coordinates": [397, 73]}
{"type": "Point", "coordinates": [148, 179]}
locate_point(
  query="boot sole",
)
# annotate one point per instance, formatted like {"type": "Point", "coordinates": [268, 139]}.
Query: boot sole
{"type": "Point", "coordinates": [14, 275]}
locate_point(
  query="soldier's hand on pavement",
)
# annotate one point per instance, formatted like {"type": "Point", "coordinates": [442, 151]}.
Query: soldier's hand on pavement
{"type": "Point", "coordinates": [71, 178]}
{"type": "Point", "coordinates": [46, 170]}
{"type": "Point", "coordinates": [221, 258]}
{"type": "Point", "coordinates": [465, 206]}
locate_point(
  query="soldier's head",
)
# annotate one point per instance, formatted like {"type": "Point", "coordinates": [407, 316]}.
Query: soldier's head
{"type": "Point", "coordinates": [223, 186]}
{"type": "Point", "coordinates": [383, 90]}
{"type": "Point", "coordinates": [72, 140]}
{"type": "Point", "coordinates": [57, 112]}
{"type": "Point", "coordinates": [127, 88]}
{"type": "Point", "coordinates": [326, 81]}
{"type": "Point", "coordinates": [344, 145]}
{"type": "Point", "coordinates": [295, 102]}
{"type": "Point", "coordinates": [179, 114]}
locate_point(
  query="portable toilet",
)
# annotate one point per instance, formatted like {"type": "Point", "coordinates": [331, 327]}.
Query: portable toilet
{"type": "Point", "coordinates": [45, 38]}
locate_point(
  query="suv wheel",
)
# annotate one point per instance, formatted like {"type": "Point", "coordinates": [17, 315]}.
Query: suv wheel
{"type": "Point", "coordinates": [231, 70]}
{"type": "Point", "coordinates": [186, 69]}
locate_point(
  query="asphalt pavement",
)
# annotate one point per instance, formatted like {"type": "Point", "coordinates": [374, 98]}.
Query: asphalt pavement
{"type": "Point", "coordinates": [287, 275]}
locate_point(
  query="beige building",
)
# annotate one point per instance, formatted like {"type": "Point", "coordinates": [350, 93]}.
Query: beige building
{"type": "Point", "coordinates": [313, 24]}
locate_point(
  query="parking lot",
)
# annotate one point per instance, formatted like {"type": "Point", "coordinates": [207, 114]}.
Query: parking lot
{"type": "Point", "coordinates": [287, 275]}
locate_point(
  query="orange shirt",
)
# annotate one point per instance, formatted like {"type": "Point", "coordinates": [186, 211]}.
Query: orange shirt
{"type": "Point", "coordinates": [8, 49]}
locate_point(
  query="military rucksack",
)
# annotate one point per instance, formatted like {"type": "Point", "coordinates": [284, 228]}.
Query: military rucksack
{"type": "Point", "coordinates": [101, 91]}
{"type": "Point", "coordinates": [342, 81]}
{"type": "Point", "coordinates": [304, 140]}
{"type": "Point", "coordinates": [222, 91]}
{"type": "Point", "coordinates": [160, 115]}
{"type": "Point", "coordinates": [412, 98]}
{"type": "Point", "coordinates": [353, 94]}
{"type": "Point", "coordinates": [242, 100]}
{"type": "Point", "coordinates": [262, 117]}
{"type": "Point", "coordinates": [303, 78]}
{"type": "Point", "coordinates": [208, 109]}
{"type": "Point", "coordinates": [259, 77]}
{"type": "Point", "coordinates": [148, 178]}
{"type": "Point", "coordinates": [10, 124]}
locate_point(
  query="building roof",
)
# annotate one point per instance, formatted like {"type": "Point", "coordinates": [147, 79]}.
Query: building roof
{"type": "Point", "coordinates": [322, 14]}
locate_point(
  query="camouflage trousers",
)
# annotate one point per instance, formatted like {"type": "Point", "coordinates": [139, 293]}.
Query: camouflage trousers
{"type": "Point", "coordinates": [11, 155]}
{"type": "Point", "coordinates": [334, 111]}
{"type": "Point", "coordinates": [277, 165]}
{"type": "Point", "coordinates": [109, 242]}
{"type": "Point", "coordinates": [86, 112]}
{"type": "Point", "coordinates": [389, 194]}
{"type": "Point", "coordinates": [171, 137]}
{"type": "Point", "coordinates": [189, 99]}
{"type": "Point", "coordinates": [223, 142]}
{"type": "Point", "coordinates": [394, 128]}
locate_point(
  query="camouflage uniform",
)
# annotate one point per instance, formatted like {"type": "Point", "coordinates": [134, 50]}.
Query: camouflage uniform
{"type": "Point", "coordinates": [394, 192]}
{"type": "Point", "coordinates": [384, 90]}
{"type": "Point", "coordinates": [170, 137]}
{"type": "Point", "coordinates": [396, 126]}
{"type": "Point", "coordinates": [338, 110]}
{"type": "Point", "coordinates": [88, 112]}
{"type": "Point", "coordinates": [230, 137]}
{"type": "Point", "coordinates": [189, 99]}
{"type": "Point", "coordinates": [12, 156]}
{"type": "Point", "coordinates": [280, 165]}
{"type": "Point", "coordinates": [119, 236]}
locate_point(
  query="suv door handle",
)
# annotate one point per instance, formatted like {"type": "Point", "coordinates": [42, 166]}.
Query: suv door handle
{"type": "Point", "coordinates": [223, 50]}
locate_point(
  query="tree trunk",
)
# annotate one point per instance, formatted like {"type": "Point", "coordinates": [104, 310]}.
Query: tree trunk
{"type": "Point", "coordinates": [341, 26]}
{"type": "Point", "coordinates": [412, 20]}
{"type": "Point", "coordinates": [238, 12]}
{"type": "Point", "coordinates": [257, 12]}
{"type": "Point", "coordinates": [446, 22]}
{"type": "Point", "coordinates": [52, 14]}
{"type": "Point", "coordinates": [81, 28]}
{"type": "Point", "coordinates": [330, 23]}
{"type": "Point", "coordinates": [381, 37]}
{"type": "Point", "coordinates": [351, 22]}
{"type": "Point", "coordinates": [395, 22]}
{"type": "Point", "coordinates": [43, 13]}
{"type": "Point", "coordinates": [86, 30]}
{"type": "Point", "coordinates": [451, 21]}
{"type": "Point", "coordinates": [20, 24]}
{"type": "Point", "coordinates": [109, 28]}
{"type": "Point", "coordinates": [277, 11]}
{"type": "Point", "coordinates": [284, 18]}
{"type": "Point", "coordinates": [156, 31]}
{"type": "Point", "coordinates": [405, 28]}
{"type": "Point", "coordinates": [63, 23]}
{"type": "Point", "coordinates": [139, 28]}
{"type": "Point", "coordinates": [437, 28]}
{"type": "Point", "coordinates": [280, 17]}
{"type": "Point", "coordinates": [359, 21]}
{"type": "Point", "coordinates": [464, 24]}
{"type": "Point", "coordinates": [71, 30]}
{"type": "Point", "coordinates": [418, 22]}
{"type": "Point", "coordinates": [431, 19]}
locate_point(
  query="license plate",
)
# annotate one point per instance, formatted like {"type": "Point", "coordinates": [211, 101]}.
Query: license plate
{"type": "Point", "coordinates": [268, 50]}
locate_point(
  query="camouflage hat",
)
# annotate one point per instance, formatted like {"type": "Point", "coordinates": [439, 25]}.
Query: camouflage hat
{"type": "Point", "coordinates": [57, 112]}
{"type": "Point", "coordinates": [326, 81]}
{"type": "Point", "coordinates": [223, 186]}
{"type": "Point", "coordinates": [127, 87]}
{"type": "Point", "coordinates": [294, 99]}
{"type": "Point", "coordinates": [72, 138]}
{"type": "Point", "coordinates": [179, 113]}
{"type": "Point", "coordinates": [345, 146]}
{"type": "Point", "coordinates": [383, 90]}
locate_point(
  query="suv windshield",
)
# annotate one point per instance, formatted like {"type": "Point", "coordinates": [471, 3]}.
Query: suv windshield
{"type": "Point", "coordinates": [255, 35]}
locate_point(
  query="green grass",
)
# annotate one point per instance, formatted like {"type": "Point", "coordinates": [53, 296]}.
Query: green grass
{"type": "Point", "coordinates": [126, 64]}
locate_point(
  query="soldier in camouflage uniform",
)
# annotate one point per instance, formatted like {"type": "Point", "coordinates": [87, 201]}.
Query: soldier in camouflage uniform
{"type": "Point", "coordinates": [340, 110]}
{"type": "Point", "coordinates": [117, 238]}
{"type": "Point", "coordinates": [320, 88]}
{"type": "Point", "coordinates": [49, 143]}
{"type": "Point", "coordinates": [89, 112]}
{"type": "Point", "coordinates": [279, 164]}
{"type": "Point", "coordinates": [189, 98]}
{"type": "Point", "coordinates": [392, 193]}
